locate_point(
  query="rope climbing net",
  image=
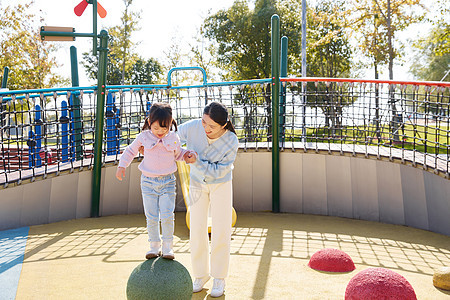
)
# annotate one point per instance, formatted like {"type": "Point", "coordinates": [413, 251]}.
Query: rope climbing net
{"type": "Point", "coordinates": [52, 130]}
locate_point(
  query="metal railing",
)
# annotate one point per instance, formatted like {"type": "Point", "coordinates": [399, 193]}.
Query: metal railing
{"type": "Point", "coordinates": [52, 130]}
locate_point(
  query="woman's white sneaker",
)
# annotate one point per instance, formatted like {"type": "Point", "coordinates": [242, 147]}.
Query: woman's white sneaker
{"type": "Point", "coordinates": [199, 283]}
{"type": "Point", "coordinates": [218, 287]}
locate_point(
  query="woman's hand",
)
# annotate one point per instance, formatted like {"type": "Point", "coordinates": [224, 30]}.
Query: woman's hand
{"type": "Point", "coordinates": [120, 173]}
{"type": "Point", "coordinates": [141, 150]}
{"type": "Point", "coordinates": [190, 157]}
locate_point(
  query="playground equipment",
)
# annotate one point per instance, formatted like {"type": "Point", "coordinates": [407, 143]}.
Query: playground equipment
{"type": "Point", "coordinates": [331, 260]}
{"type": "Point", "coordinates": [183, 172]}
{"type": "Point", "coordinates": [373, 189]}
{"type": "Point", "coordinates": [159, 279]}
{"type": "Point", "coordinates": [347, 119]}
{"type": "Point", "coordinates": [379, 283]}
{"type": "Point", "coordinates": [100, 43]}
{"type": "Point", "coordinates": [79, 9]}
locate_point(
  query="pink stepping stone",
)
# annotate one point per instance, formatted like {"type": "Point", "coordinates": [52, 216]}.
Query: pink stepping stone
{"type": "Point", "coordinates": [331, 260]}
{"type": "Point", "coordinates": [379, 283]}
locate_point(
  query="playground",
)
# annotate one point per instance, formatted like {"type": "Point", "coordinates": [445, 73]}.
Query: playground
{"type": "Point", "coordinates": [92, 258]}
{"type": "Point", "coordinates": [362, 166]}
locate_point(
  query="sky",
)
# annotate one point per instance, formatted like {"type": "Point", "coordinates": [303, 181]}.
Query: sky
{"type": "Point", "coordinates": [160, 22]}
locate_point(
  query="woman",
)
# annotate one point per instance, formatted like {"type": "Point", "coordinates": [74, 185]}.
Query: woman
{"type": "Point", "coordinates": [214, 140]}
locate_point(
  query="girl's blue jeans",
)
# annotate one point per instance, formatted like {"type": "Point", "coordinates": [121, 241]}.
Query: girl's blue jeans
{"type": "Point", "coordinates": [158, 194]}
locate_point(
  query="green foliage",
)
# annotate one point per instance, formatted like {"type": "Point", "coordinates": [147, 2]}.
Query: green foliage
{"type": "Point", "coordinates": [30, 59]}
{"type": "Point", "coordinates": [145, 71]}
{"type": "Point", "coordinates": [376, 23]}
{"type": "Point", "coordinates": [243, 42]}
{"type": "Point", "coordinates": [441, 21]}
{"type": "Point", "coordinates": [430, 62]}
{"type": "Point", "coordinates": [329, 53]}
{"type": "Point", "coordinates": [243, 38]}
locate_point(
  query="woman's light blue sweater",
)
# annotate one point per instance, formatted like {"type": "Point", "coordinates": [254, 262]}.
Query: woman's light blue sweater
{"type": "Point", "coordinates": [215, 161]}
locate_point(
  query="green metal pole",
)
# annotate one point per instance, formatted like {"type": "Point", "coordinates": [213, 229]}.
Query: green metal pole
{"type": "Point", "coordinates": [5, 77]}
{"type": "Point", "coordinates": [94, 24]}
{"type": "Point", "coordinates": [99, 120]}
{"type": "Point", "coordinates": [283, 73]}
{"type": "Point", "coordinates": [76, 105]}
{"type": "Point", "coordinates": [275, 46]}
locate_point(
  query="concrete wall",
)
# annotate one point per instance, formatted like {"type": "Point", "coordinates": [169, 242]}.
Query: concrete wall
{"type": "Point", "coordinates": [310, 183]}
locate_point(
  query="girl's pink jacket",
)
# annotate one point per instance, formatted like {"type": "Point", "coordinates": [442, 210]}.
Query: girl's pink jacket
{"type": "Point", "coordinates": [159, 154]}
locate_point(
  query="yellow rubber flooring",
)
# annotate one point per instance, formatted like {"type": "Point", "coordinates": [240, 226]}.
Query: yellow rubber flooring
{"type": "Point", "coordinates": [93, 258]}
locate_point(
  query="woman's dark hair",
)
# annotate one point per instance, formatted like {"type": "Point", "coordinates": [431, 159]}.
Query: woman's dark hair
{"type": "Point", "coordinates": [161, 112]}
{"type": "Point", "coordinates": [219, 114]}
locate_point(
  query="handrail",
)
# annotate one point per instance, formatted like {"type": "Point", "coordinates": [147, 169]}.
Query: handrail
{"type": "Point", "coordinates": [169, 78]}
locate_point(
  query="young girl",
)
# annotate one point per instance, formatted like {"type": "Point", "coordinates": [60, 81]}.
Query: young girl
{"type": "Point", "coordinates": [214, 139]}
{"type": "Point", "coordinates": [161, 147]}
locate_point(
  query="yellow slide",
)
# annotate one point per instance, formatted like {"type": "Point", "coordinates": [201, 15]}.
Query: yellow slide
{"type": "Point", "coordinates": [183, 172]}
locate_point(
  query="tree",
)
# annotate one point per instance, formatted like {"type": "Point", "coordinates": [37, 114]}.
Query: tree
{"type": "Point", "coordinates": [442, 21]}
{"type": "Point", "coordinates": [243, 39]}
{"type": "Point", "coordinates": [389, 17]}
{"type": "Point", "coordinates": [30, 59]}
{"type": "Point", "coordinates": [430, 63]}
{"type": "Point", "coordinates": [329, 55]}
{"type": "Point", "coordinates": [243, 43]}
{"type": "Point", "coordinates": [121, 36]}
{"type": "Point", "coordinates": [200, 55]}
{"type": "Point", "coordinates": [145, 71]}
{"type": "Point", "coordinates": [243, 49]}
{"type": "Point", "coordinates": [329, 52]}
{"type": "Point", "coordinates": [378, 22]}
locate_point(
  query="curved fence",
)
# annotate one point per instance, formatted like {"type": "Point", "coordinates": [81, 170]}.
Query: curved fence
{"type": "Point", "coordinates": [52, 130]}
{"type": "Point", "coordinates": [408, 121]}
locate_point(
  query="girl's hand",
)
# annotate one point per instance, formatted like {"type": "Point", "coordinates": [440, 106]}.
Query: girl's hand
{"type": "Point", "coordinates": [190, 157]}
{"type": "Point", "coordinates": [141, 150]}
{"type": "Point", "coordinates": [120, 173]}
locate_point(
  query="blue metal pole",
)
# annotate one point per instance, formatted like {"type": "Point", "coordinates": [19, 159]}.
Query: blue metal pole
{"type": "Point", "coordinates": [110, 126]}
{"type": "Point", "coordinates": [38, 136]}
{"type": "Point", "coordinates": [64, 132]}
{"type": "Point", "coordinates": [117, 130]}
{"type": "Point", "coordinates": [71, 129]}
{"type": "Point", "coordinates": [75, 108]}
{"type": "Point", "coordinates": [31, 149]}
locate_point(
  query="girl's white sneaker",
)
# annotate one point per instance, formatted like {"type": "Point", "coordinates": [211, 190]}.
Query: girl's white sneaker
{"type": "Point", "coordinates": [154, 250]}
{"type": "Point", "coordinates": [167, 250]}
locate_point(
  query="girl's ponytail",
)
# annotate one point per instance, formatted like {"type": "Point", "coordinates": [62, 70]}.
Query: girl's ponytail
{"type": "Point", "coordinates": [174, 123]}
{"type": "Point", "coordinates": [146, 125]}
